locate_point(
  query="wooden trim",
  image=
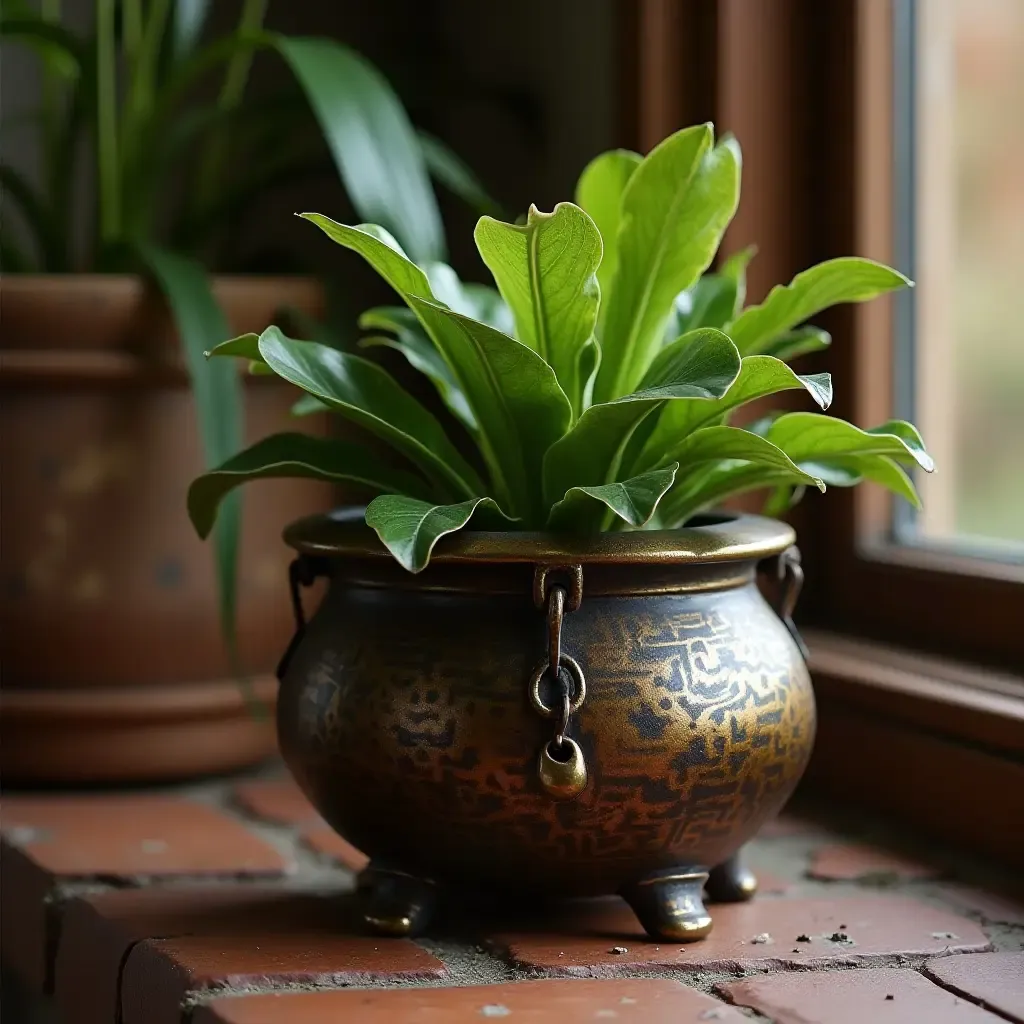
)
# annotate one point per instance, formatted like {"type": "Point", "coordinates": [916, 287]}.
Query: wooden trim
{"type": "Point", "coordinates": [958, 702]}
{"type": "Point", "coordinates": [957, 793]}
{"type": "Point", "coordinates": [940, 744]}
{"type": "Point", "coordinates": [859, 582]}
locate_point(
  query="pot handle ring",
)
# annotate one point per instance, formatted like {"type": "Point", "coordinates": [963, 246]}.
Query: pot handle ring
{"type": "Point", "coordinates": [786, 568]}
{"type": "Point", "coordinates": [302, 572]}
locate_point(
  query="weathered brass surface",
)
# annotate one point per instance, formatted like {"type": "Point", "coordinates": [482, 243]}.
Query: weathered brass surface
{"type": "Point", "coordinates": [408, 716]}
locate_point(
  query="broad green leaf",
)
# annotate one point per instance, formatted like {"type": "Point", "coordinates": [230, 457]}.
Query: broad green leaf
{"type": "Point", "coordinates": [218, 397]}
{"type": "Point", "coordinates": [808, 436]}
{"type": "Point", "coordinates": [296, 456]}
{"type": "Point", "coordinates": [708, 303]}
{"type": "Point", "coordinates": [545, 271]}
{"type": "Point", "coordinates": [449, 169]}
{"type": "Point", "coordinates": [599, 192]}
{"type": "Point", "coordinates": [700, 367]}
{"type": "Point", "coordinates": [587, 364]}
{"type": "Point", "coordinates": [759, 376]}
{"type": "Point", "coordinates": [309, 405]}
{"type": "Point", "coordinates": [675, 209]}
{"type": "Point", "coordinates": [409, 528]}
{"type": "Point", "coordinates": [909, 435]}
{"type": "Point", "coordinates": [513, 393]}
{"type": "Point", "coordinates": [378, 155]}
{"type": "Point", "coordinates": [519, 407]}
{"type": "Point", "coordinates": [735, 269]}
{"type": "Point", "coordinates": [850, 470]}
{"type": "Point", "coordinates": [847, 279]}
{"type": "Point", "coordinates": [712, 484]}
{"type": "Point", "coordinates": [412, 341]}
{"type": "Point", "coordinates": [585, 509]}
{"type": "Point", "coordinates": [723, 443]}
{"type": "Point", "coordinates": [245, 346]}
{"type": "Point", "coordinates": [480, 301]}
{"type": "Point", "coordinates": [798, 342]}
{"type": "Point", "coordinates": [379, 248]}
{"type": "Point", "coordinates": [487, 306]}
{"type": "Point", "coordinates": [366, 394]}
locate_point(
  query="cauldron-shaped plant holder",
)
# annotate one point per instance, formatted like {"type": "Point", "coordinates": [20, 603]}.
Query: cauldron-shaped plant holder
{"type": "Point", "coordinates": [537, 715]}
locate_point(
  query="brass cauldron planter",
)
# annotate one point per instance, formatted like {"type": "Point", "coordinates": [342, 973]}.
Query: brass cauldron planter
{"type": "Point", "coordinates": [421, 716]}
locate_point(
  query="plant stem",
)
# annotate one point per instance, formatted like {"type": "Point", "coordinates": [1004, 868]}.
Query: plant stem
{"type": "Point", "coordinates": [49, 10]}
{"type": "Point", "coordinates": [131, 28]}
{"type": "Point", "coordinates": [106, 124]}
{"type": "Point", "coordinates": [235, 78]}
{"type": "Point", "coordinates": [139, 106]}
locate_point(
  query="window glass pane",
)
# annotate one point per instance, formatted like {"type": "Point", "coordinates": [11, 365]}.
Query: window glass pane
{"type": "Point", "coordinates": [960, 212]}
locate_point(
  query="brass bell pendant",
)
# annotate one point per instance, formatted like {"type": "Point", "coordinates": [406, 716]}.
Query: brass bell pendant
{"type": "Point", "coordinates": [562, 778]}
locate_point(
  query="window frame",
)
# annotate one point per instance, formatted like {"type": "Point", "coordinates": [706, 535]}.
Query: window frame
{"type": "Point", "coordinates": [861, 581]}
{"type": "Point", "coordinates": [807, 88]}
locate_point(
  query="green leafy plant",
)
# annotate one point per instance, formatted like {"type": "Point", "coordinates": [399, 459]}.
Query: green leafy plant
{"type": "Point", "coordinates": [176, 172]}
{"type": "Point", "coordinates": [597, 383]}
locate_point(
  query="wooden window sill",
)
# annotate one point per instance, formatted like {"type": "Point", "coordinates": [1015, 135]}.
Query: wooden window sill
{"type": "Point", "coordinates": [938, 743]}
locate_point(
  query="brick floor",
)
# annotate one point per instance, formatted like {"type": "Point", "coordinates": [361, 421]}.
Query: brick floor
{"type": "Point", "coordinates": [991, 979]}
{"type": "Point", "coordinates": [634, 1001]}
{"type": "Point", "coordinates": [856, 862]}
{"type": "Point", "coordinates": [886, 995]}
{"type": "Point", "coordinates": [238, 907]}
{"type": "Point", "coordinates": [794, 933]}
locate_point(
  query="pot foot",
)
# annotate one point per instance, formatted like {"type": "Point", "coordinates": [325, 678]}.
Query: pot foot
{"type": "Point", "coordinates": [394, 903]}
{"type": "Point", "coordinates": [731, 882]}
{"type": "Point", "coordinates": [669, 904]}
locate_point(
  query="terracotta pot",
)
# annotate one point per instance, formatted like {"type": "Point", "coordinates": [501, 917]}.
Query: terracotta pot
{"type": "Point", "coordinates": [110, 621]}
{"type": "Point", "coordinates": [421, 716]}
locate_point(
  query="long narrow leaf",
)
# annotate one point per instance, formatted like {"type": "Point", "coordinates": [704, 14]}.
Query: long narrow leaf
{"type": "Point", "coordinates": [810, 436]}
{"type": "Point", "coordinates": [450, 170]}
{"type": "Point", "coordinates": [847, 279]}
{"type": "Point", "coordinates": [676, 207]}
{"type": "Point", "coordinates": [366, 394]}
{"type": "Point", "coordinates": [296, 456]}
{"type": "Point", "coordinates": [759, 376]}
{"type": "Point", "coordinates": [218, 397]}
{"type": "Point", "coordinates": [375, 147]}
{"type": "Point", "coordinates": [413, 342]}
{"type": "Point", "coordinates": [599, 191]}
{"type": "Point", "coordinates": [512, 392]}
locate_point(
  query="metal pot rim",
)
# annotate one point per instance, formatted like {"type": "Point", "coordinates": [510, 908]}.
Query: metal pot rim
{"type": "Point", "coordinates": [718, 537]}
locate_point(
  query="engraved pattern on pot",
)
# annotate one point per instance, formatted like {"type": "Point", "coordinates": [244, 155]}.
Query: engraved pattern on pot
{"type": "Point", "coordinates": [697, 725]}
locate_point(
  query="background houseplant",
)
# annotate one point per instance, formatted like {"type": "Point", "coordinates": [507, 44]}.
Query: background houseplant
{"type": "Point", "coordinates": [610, 408]}
{"type": "Point", "coordinates": [108, 594]}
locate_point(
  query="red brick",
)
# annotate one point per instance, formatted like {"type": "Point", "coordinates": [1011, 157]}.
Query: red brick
{"type": "Point", "coordinates": [854, 997]}
{"type": "Point", "coordinates": [98, 931]}
{"type": "Point", "coordinates": [277, 800]}
{"type": "Point", "coordinates": [324, 840]}
{"type": "Point", "coordinates": [273, 938]}
{"type": "Point", "coordinates": [995, 980]}
{"type": "Point", "coordinates": [854, 862]}
{"type": "Point", "coordinates": [883, 930]}
{"type": "Point", "coordinates": [632, 1001]}
{"type": "Point", "coordinates": [124, 837]}
{"type": "Point", "coordinates": [990, 906]}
